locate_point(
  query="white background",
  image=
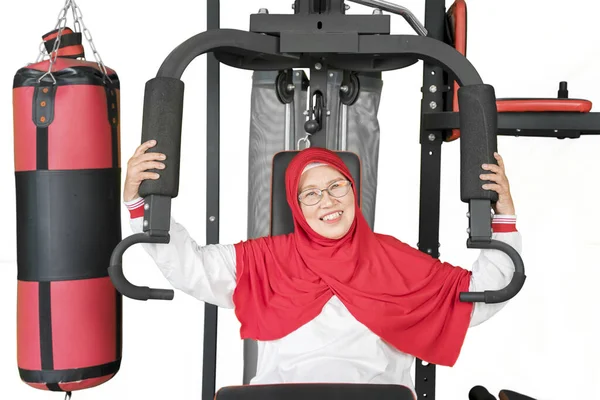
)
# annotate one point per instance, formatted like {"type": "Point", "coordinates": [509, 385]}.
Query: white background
{"type": "Point", "coordinates": [544, 343]}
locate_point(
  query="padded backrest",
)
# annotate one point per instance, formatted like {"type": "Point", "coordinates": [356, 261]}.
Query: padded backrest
{"type": "Point", "coordinates": [281, 215]}
{"type": "Point", "coordinates": [457, 19]}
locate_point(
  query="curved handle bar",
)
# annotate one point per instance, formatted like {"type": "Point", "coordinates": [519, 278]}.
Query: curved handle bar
{"type": "Point", "coordinates": [123, 286]}
{"type": "Point", "coordinates": [396, 9]}
{"type": "Point", "coordinates": [514, 286]}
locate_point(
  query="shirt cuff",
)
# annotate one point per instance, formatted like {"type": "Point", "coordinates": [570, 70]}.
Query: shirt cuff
{"type": "Point", "coordinates": [135, 207]}
{"type": "Point", "coordinates": [504, 223]}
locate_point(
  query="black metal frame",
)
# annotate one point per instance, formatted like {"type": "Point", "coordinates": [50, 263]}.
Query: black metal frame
{"type": "Point", "coordinates": [533, 124]}
{"type": "Point", "coordinates": [213, 114]}
{"type": "Point", "coordinates": [431, 159]}
{"type": "Point", "coordinates": [284, 42]}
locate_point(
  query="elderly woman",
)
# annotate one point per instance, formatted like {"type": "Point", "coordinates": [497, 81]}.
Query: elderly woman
{"type": "Point", "coordinates": [333, 301]}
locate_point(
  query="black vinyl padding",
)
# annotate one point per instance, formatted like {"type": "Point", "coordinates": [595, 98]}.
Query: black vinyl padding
{"type": "Point", "coordinates": [478, 127]}
{"type": "Point", "coordinates": [68, 223]}
{"type": "Point", "coordinates": [282, 222]}
{"type": "Point", "coordinates": [316, 391]}
{"type": "Point", "coordinates": [162, 120]}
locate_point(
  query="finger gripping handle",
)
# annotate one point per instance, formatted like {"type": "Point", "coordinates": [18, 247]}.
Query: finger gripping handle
{"type": "Point", "coordinates": [513, 287]}
{"type": "Point", "coordinates": [120, 282]}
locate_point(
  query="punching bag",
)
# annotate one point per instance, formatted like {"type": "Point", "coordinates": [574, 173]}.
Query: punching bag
{"type": "Point", "coordinates": [67, 177]}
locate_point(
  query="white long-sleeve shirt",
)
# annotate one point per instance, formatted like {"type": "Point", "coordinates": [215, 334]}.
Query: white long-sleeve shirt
{"type": "Point", "coordinates": [334, 347]}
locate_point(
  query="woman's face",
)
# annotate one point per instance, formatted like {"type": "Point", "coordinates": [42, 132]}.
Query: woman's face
{"type": "Point", "coordinates": [331, 217]}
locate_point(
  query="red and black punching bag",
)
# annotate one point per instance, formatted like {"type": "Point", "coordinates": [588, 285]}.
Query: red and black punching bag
{"type": "Point", "coordinates": [67, 176]}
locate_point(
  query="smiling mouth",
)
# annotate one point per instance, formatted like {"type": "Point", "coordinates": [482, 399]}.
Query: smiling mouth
{"type": "Point", "coordinates": [332, 217]}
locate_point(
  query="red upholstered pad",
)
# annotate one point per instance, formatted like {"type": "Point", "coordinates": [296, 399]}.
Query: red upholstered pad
{"type": "Point", "coordinates": [457, 18]}
{"type": "Point", "coordinates": [543, 105]}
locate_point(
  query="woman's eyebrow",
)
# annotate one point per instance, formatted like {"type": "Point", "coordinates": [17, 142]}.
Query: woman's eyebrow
{"type": "Point", "coordinates": [328, 183]}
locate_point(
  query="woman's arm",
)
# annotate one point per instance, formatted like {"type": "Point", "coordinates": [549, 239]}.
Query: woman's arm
{"type": "Point", "coordinates": [204, 272]}
{"type": "Point", "coordinates": [493, 269]}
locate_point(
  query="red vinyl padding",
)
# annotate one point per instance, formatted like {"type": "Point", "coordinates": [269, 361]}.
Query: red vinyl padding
{"type": "Point", "coordinates": [544, 105]}
{"type": "Point", "coordinates": [457, 14]}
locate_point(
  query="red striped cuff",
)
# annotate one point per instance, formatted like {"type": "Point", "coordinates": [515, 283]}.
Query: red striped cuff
{"type": "Point", "coordinates": [135, 207]}
{"type": "Point", "coordinates": [504, 223]}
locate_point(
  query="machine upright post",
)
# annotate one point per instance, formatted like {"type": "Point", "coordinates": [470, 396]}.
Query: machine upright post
{"type": "Point", "coordinates": [434, 82]}
{"type": "Point", "coordinates": [212, 200]}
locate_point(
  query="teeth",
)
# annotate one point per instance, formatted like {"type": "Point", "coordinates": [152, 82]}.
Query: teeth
{"type": "Point", "coordinates": [332, 216]}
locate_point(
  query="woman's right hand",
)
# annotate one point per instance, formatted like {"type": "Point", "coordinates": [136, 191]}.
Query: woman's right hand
{"type": "Point", "coordinates": [137, 167]}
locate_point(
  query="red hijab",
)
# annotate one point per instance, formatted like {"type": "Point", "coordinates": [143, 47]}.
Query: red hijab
{"type": "Point", "coordinates": [406, 297]}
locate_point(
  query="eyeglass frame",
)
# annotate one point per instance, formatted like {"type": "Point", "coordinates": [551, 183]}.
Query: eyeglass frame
{"type": "Point", "coordinates": [321, 191]}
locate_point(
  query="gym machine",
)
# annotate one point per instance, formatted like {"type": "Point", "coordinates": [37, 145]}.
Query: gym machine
{"type": "Point", "coordinates": [346, 55]}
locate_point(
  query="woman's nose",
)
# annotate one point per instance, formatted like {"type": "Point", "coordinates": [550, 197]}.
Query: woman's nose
{"type": "Point", "coordinates": [327, 200]}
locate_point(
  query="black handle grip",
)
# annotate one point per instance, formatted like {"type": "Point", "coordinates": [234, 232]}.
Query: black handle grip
{"type": "Point", "coordinates": [162, 120]}
{"type": "Point", "coordinates": [478, 139]}
{"type": "Point", "coordinates": [123, 286]}
{"type": "Point", "coordinates": [480, 393]}
{"type": "Point", "coordinates": [513, 287]}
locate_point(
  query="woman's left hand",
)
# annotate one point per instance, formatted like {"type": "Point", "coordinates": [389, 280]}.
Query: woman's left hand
{"type": "Point", "coordinates": [504, 205]}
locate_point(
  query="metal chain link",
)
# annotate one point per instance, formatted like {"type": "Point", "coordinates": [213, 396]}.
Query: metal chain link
{"type": "Point", "coordinates": [60, 25]}
{"type": "Point", "coordinates": [43, 53]}
{"type": "Point", "coordinates": [79, 20]}
{"type": "Point", "coordinates": [77, 25]}
{"type": "Point", "coordinates": [62, 15]}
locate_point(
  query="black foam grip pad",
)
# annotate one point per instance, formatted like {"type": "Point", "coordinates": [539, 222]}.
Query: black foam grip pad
{"type": "Point", "coordinates": [478, 140]}
{"type": "Point", "coordinates": [163, 112]}
{"type": "Point", "coordinates": [480, 393]}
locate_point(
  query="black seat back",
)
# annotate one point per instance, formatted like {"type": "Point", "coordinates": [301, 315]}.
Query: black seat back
{"type": "Point", "coordinates": [282, 221]}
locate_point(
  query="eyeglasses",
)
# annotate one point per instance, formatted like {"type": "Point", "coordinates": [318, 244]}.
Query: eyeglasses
{"type": "Point", "coordinates": [310, 197]}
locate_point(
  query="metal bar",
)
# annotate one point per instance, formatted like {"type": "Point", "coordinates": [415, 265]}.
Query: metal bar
{"type": "Point", "coordinates": [209, 369]}
{"type": "Point", "coordinates": [430, 49]}
{"type": "Point", "coordinates": [404, 12]}
{"type": "Point", "coordinates": [274, 24]}
{"type": "Point", "coordinates": [535, 124]}
{"type": "Point", "coordinates": [344, 129]}
{"type": "Point", "coordinates": [288, 141]}
{"type": "Point", "coordinates": [318, 85]}
{"type": "Point", "coordinates": [246, 43]}
{"type": "Point", "coordinates": [431, 155]}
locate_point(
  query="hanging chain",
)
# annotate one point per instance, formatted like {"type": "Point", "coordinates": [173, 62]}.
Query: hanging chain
{"type": "Point", "coordinates": [62, 18]}
{"type": "Point", "coordinates": [60, 25]}
{"type": "Point", "coordinates": [77, 25]}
